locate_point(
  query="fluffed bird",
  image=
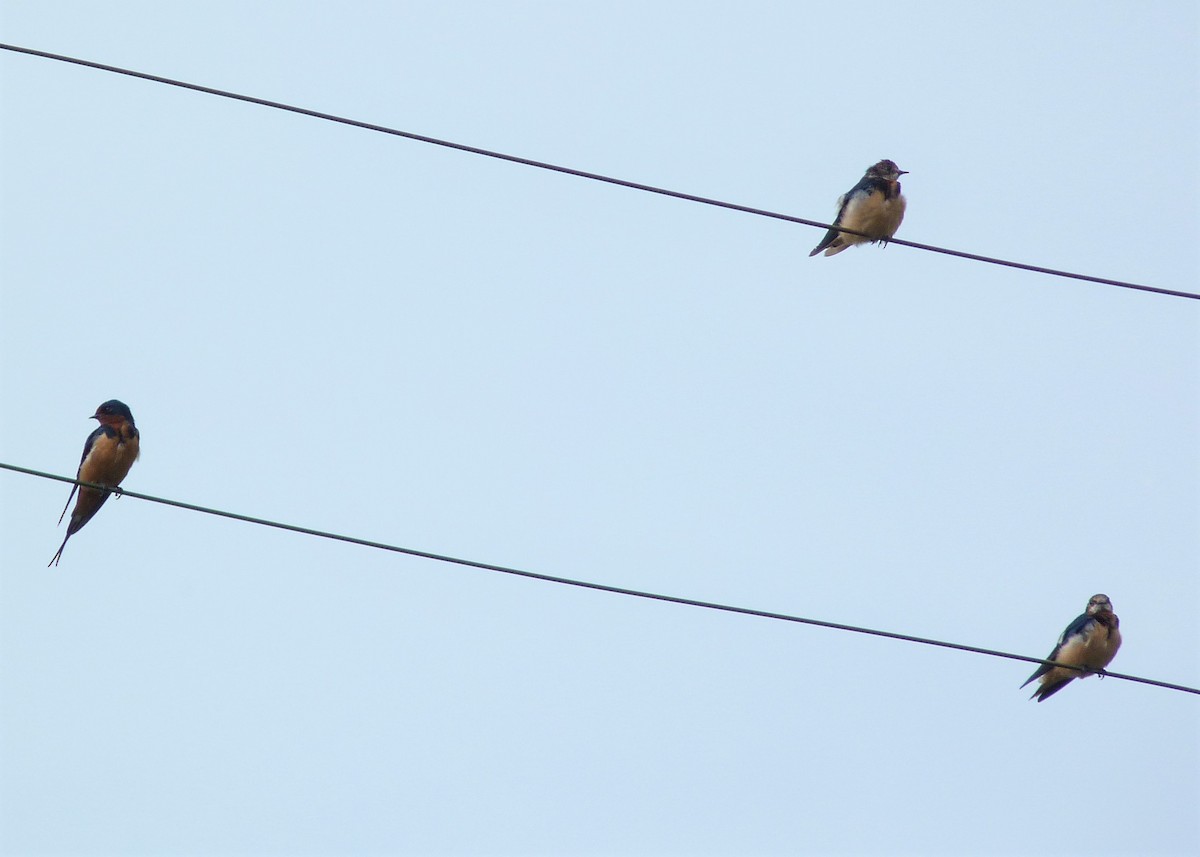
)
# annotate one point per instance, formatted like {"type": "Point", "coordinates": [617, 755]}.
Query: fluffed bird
{"type": "Point", "coordinates": [107, 456]}
{"type": "Point", "coordinates": [874, 206]}
{"type": "Point", "coordinates": [1090, 642]}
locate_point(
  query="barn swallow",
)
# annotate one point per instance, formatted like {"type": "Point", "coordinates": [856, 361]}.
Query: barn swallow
{"type": "Point", "coordinates": [107, 456]}
{"type": "Point", "coordinates": [873, 206]}
{"type": "Point", "coordinates": [1090, 642]}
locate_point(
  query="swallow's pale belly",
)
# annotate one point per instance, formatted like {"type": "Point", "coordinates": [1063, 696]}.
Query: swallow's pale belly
{"type": "Point", "coordinates": [875, 215]}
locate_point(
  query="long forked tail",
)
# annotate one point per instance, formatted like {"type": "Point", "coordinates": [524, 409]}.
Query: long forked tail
{"type": "Point", "coordinates": [58, 555]}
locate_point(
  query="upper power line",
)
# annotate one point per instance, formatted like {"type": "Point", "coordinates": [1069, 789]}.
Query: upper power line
{"type": "Point", "coordinates": [542, 165]}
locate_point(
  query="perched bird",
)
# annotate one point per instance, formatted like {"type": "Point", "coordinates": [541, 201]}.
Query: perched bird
{"type": "Point", "coordinates": [1091, 642]}
{"type": "Point", "coordinates": [107, 456]}
{"type": "Point", "coordinates": [873, 206]}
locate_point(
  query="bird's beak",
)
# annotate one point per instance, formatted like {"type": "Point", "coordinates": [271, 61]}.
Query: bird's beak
{"type": "Point", "coordinates": [903, 172]}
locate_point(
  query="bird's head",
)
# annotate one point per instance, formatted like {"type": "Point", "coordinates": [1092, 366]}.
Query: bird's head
{"type": "Point", "coordinates": [886, 170]}
{"type": "Point", "coordinates": [113, 413]}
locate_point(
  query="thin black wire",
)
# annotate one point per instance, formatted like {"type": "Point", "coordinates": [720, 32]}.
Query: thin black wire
{"type": "Point", "coordinates": [584, 584]}
{"type": "Point", "coordinates": [542, 165]}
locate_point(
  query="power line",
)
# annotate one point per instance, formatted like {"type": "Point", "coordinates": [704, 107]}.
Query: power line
{"type": "Point", "coordinates": [542, 165]}
{"type": "Point", "coordinates": [584, 584]}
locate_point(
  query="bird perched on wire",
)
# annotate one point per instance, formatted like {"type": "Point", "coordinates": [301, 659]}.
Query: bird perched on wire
{"type": "Point", "coordinates": [874, 206]}
{"type": "Point", "coordinates": [1090, 642]}
{"type": "Point", "coordinates": [107, 456]}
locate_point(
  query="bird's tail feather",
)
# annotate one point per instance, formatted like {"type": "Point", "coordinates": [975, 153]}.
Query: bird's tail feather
{"type": "Point", "coordinates": [74, 488]}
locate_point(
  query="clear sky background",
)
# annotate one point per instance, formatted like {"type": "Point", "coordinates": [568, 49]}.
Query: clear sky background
{"type": "Point", "coordinates": [346, 330]}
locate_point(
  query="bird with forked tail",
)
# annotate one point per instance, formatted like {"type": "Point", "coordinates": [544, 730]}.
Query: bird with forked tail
{"type": "Point", "coordinates": [107, 456]}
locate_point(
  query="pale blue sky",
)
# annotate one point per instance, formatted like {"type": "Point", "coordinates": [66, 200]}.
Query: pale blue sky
{"type": "Point", "coordinates": [345, 330]}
